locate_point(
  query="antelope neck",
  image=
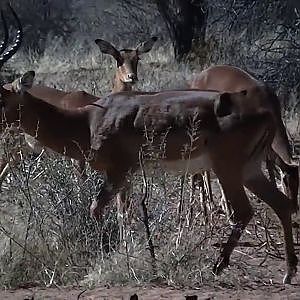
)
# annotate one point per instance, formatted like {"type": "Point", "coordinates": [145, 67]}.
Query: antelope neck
{"type": "Point", "coordinates": [120, 86]}
{"type": "Point", "coordinates": [65, 131]}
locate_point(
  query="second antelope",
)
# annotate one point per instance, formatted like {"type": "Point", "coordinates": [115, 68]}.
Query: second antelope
{"type": "Point", "coordinates": [224, 78]}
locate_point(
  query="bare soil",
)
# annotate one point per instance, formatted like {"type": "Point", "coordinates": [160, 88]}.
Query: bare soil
{"type": "Point", "coordinates": [270, 288]}
{"type": "Point", "coordinates": [275, 291]}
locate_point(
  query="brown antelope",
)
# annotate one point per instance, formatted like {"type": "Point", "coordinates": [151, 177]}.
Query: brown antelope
{"type": "Point", "coordinates": [224, 78]}
{"type": "Point", "coordinates": [234, 134]}
{"type": "Point", "coordinates": [125, 78]}
{"type": "Point", "coordinates": [127, 62]}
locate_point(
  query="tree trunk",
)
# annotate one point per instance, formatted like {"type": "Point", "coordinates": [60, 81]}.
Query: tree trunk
{"type": "Point", "coordinates": [186, 21]}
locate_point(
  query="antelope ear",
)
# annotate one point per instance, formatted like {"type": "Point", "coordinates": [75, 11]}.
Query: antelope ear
{"type": "Point", "coordinates": [23, 83]}
{"type": "Point", "coordinates": [223, 105]}
{"type": "Point", "coordinates": [107, 48]}
{"type": "Point", "coordinates": [146, 46]}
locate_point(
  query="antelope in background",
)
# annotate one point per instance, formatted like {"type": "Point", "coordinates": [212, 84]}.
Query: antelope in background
{"type": "Point", "coordinates": [224, 78]}
{"type": "Point", "coordinates": [235, 134]}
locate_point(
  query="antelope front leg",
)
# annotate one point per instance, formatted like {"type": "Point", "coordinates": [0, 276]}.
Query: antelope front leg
{"type": "Point", "coordinates": [113, 182]}
{"type": "Point", "coordinates": [103, 198]}
{"type": "Point", "coordinates": [123, 208]}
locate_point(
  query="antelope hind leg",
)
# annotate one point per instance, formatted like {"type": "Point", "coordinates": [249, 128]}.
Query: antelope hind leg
{"type": "Point", "coordinates": [282, 205]}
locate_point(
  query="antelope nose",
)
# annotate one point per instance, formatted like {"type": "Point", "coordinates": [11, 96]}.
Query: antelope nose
{"type": "Point", "coordinates": [132, 77]}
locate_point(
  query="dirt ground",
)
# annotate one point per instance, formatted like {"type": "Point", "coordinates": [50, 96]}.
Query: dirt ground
{"type": "Point", "coordinates": [268, 288]}
{"type": "Point", "coordinates": [275, 292]}
{"type": "Point", "coordinates": [252, 275]}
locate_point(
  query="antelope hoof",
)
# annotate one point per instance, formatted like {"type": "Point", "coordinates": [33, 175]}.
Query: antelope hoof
{"type": "Point", "coordinates": [220, 265]}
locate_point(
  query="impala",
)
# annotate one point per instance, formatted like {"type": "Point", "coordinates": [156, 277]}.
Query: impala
{"type": "Point", "coordinates": [224, 78]}
{"type": "Point", "coordinates": [234, 134]}
{"type": "Point", "coordinates": [125, 78]}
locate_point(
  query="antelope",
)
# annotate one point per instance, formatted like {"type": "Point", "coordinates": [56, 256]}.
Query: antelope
{"type": "Point", "coordinates": [225, 78]}
{"type": "Point", "coordinates": [127, 62]}
{"type": "Point", "coordinates": [234, 135]}
{"type": "Point", "coordinates": [124, 80]}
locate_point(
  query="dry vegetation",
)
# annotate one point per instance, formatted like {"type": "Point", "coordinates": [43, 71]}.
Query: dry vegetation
{"type": "Point", "coordinates": [46, 234]}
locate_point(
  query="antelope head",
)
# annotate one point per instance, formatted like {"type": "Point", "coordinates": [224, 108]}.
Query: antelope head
{"type": "Point", "coordinates": [245, 102]}
{"type": "Point", "coordinates": [11, 100]}
{"type": "Point", "coordinates": [127, 61]}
